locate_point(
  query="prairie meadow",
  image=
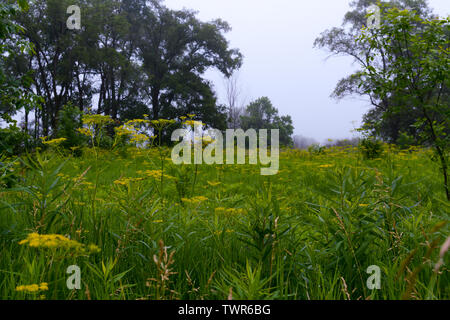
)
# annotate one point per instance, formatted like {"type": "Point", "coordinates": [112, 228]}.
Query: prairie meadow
{"type": "Point", "coordinates": [140, 227]}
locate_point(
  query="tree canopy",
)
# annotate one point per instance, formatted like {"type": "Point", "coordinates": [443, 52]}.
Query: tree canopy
{"type": "Point", "coordinates": [340, 41]}
{"type": "Point", "coordinates": [129, 58]}
{"type": "Point", "coordinates": [412, 73]}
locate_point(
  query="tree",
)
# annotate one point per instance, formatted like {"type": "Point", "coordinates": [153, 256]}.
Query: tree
{"type": "Point", "coordinates": [14, 88]}
{"type": "Point", "coordinates": [417, 70]}
{"type": "Point", "coordinates": [133, 57]}
{"type": "Point", "coordinates": [176, 49]}
{"type": "Point", "coordinates": [261, 114]}
{"type": "Point", "coordinates": [110, 50]}
{"type": "Point", "coordinates": [340, 42]}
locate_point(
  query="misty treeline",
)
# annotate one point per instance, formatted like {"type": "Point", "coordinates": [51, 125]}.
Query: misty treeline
{"type": "Point", "coordinates": [130, 58]}
{"type": "Point", "coordinates": [304, 143]}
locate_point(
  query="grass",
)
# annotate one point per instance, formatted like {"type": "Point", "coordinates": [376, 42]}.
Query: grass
{"type": "Point", "coordinates": [224, 231]}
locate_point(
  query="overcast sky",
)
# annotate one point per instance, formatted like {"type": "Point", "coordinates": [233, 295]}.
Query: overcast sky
{"type": "Point", "coordinates": [276, 38]}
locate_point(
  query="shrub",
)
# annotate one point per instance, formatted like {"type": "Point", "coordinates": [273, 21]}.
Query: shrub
{"type": "Point", "coordinates": [13, 140]}
{"type": "Point", "coordinates": [405, 141]}
{"type": "Point", "coordinates": [371, 148]}
{"type": "Point", "coordinates": [69, 122]}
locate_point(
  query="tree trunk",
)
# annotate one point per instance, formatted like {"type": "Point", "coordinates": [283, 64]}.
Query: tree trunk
{"type": "Point", "coordinates": [155, 103]}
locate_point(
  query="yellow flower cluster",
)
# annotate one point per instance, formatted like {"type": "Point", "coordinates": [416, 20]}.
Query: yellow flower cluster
{"type": "Point", "coordinates": [53, 142]}
{"type": "Point", "coordinates": [219, 232]}
{"type": "Point", "coordinates": [132, 128]}
{"type": "Point", "coordinates": [96, 119]}
{"type": "Point", "coordinates": [193, 123]}
{"type": "Point", "coordinates": [205, 140]}
{"type": "Point", "coordinates": [139, 138]}
{"type": "Point", "coordinates": [124, 130]}
{"type": "Point", "coordinates": [56, 241]}
{"type": "Point", "coordinates": [161, 123]}
{"type": "Point", "coordinates": [85, 131]}
{"type": "Point", "coordinates": [32, 288]}
{"type": "Point", "coordinates": [229, 211]}
{"type": "Point", "coordinates": [156, 174]}
{"type": "Point", "coordinates": [195, 200]}
{"type": "Point", "coordinates": [137, 122]}
{"type": "Point", "coordinates": [326, 166]}
{"type": "Point", "coordinates": [127, 181]}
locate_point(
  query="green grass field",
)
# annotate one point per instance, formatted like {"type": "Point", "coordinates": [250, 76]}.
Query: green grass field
{"type": "Point", "coordinates": [223, 231]}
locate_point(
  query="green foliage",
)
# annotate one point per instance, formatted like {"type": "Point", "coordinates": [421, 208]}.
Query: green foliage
{"type": "Point", "coordinates": [70, 120]}
{"type": "Point", "coordinates": [418, 69]}
{"type": "Point", "coordinates": [371, 148]}
{"type": "Point", "coordinates": [12, 140]}
{"type": "Point", "coordinates": [15, 91]}
{"type": "Point", "coordinates": [341, 41]}
{"type": "Point", "coordinates": [140, 57]}
{"type": "Point", "coordinates": [8, 176]}
{"type": "Point", "coordinates": [405, 140]}
{"type": "Point", "coordinates": [236, 234]}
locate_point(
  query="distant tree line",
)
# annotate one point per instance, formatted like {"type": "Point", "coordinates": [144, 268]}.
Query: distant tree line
{"type": "Point", "coordinates": [130, 57]}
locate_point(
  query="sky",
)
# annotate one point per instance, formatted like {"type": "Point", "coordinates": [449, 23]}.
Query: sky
{"type": "Point", "coordinates": [276, 38]}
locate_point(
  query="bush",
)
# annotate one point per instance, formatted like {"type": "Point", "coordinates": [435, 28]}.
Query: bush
{"type": "Point", "coordinates": [371, 148]}
{"type": "Point", "coordinates": [69, 122]}
{"type": "Point", "coordinates": [106, 142]}
{"type": "Point", "coordinates": [7, 175]}
{"type": "Point", "coordinates": [12, 140]}
{"type": "Point", "coordinates": [405, 141]}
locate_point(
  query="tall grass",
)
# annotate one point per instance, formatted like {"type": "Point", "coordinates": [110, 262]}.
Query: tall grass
{"type": "Point", "coordinates": [219, 232]}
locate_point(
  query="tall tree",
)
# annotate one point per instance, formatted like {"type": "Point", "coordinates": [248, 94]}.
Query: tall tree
{"type": "Point", "coordinates": [176, 50]}
{"type": "Point", "coordinates": [110, 45]}
{"type": "Point", "coordinates": [418, 71]}
{"type": "Point", "coordinates": [340, 41]}
{"type": "Point", "coordinates": [131, 57]}
{"type": "Point", "coordinates": [55, 59]}
{"type": "Point", "coordinates": [15, 92]}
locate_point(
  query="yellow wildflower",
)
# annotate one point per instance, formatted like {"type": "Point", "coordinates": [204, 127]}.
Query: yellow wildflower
{"type": "Point", "coordinates": [33, 288]}
{"type": "Point", "coordinates": [54, 142]}
{"type": "Point", "coordinates": [85, 131]}
{"type": "Point", "coordinates": [161, 123]}
{"type": "Point", "coordinates": [56, 241]}
{"type": "Point", "coordinates": [193, 123]}
{"type": "Point", "coordinates": [194, 200]}
{"type": "Point", "coordinates": [96, 119]}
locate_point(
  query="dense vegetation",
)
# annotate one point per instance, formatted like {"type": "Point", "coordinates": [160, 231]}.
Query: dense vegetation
{"type": "Point", "coordinates": [88, 187]}
{"type": "Point", "coordinates": [210, 232]}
